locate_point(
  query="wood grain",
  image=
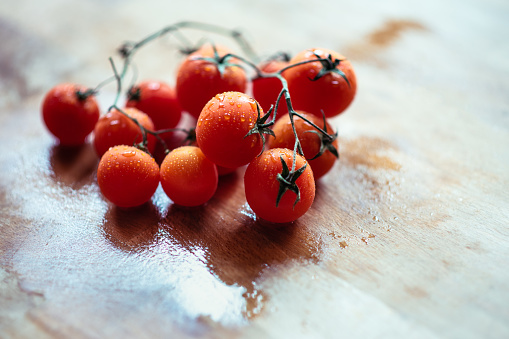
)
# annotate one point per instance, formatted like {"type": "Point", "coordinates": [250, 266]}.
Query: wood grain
{"type": "Point", "coordinates": [407, 237]}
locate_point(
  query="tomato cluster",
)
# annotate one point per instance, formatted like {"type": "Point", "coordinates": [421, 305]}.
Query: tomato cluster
{"type": "Point", "coordinates": [235, 124]}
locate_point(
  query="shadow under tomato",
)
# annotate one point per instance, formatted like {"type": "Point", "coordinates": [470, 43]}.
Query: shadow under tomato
{"type": "Point", "coordinates": [235, 248]}
{"type": "Point", "coordinates": [239, 249]}
{"type": "Point", "coordinates": [73, 166]}
{"type": "Point", "coordinates": [133, 229]}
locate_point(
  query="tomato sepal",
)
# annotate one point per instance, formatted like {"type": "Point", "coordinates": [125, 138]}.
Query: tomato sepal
{"type": "Point", "coordinates": [326, 140]}
{"type": "Point", "coordinates": [287, 181]}
{"type": "Point", "coordinates": [83, 95]}
{"type": "Point", "coordinates": [220, 62]}
{"type": "Point", "coordinates": [261, 127]}
{"type": "Point", "coordinates": [330, 66]}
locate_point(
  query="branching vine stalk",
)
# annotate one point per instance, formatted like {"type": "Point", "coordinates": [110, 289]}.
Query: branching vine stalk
{"type": "Point", "coordinates": [287, 178]}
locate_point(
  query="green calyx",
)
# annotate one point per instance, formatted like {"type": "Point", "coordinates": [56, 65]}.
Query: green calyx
{"type": "Point", "coordinates": [326, 141]}
{"type": "Point", "coordinates": [134, 94]}
{"type": "Point", "coordinates": [83, 95]}
{"type": "Point", "coordinates": [221, 62]}
{"type": "Point", "coordinates": [262, 127]}
{"type": "Point", "coordinates": [287, 181]}
{"type": "Point", "coordinates": [330, 65]}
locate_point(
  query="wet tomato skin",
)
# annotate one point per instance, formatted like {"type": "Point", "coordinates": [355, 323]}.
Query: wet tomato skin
{"type": "Point", "coordinates": [222, 127]}
{"type": "Point", "coordinates": [261, 187]}
{"type": "Point", "coordinates": [330, 93]}
{"type": "Point", "coordinates": [69, 117]}
{"type": "Point", "coordinates": [158, 100]}
{"type": "Point", "coordinates": [199, 80]}
{"type": "Point", "coordinates": [188, 177]}
{"type": "Point", "coordinates": [266, 90]}
{"type": "Point", "coordinates": [127, 176]}
{"type": "Point", "coordinates": [114, 128]}
{"type": "Point", "coordinates": [310, 142]}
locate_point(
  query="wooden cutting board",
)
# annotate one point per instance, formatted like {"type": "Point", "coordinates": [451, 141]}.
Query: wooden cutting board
{"type": "Point", "coordinates": [407, 237]}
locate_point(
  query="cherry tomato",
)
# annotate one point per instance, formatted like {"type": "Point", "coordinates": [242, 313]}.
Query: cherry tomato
{"type": "Point", "coordinates": [127, 176]}
{"type": "Point", "coordinates": [262, 187]}
{"type": "Point", "coordinates": [199, 80]}
{"type": "Point", "coordinates": [319, 85]}
{"type": "Point", "coordinates": [115, 128]}
{"type": "Point", "coordinates": [222, 128]}
{"type": "Point", "coordinates": [158, 100]}
{"type": "Point", "coordinates": [266, 90]}
{"type": "Point", "coordinates": [70, 113]}
{"type": "Point", "coordinates": [188, 177]}
{"type": "Point", "coordinates": [310, 141]}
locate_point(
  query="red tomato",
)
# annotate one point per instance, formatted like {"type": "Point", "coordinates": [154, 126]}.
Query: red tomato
{"type": "Point", "coordinates": [188, 177]}
{"type": "Point", "coordinates": [127, 176]}
{"type": "Point", "coordinates": [331, 92]}
{"type": "Point", "coordinates": [158, 100]}
{"type": "Point", "coordinates": [262, 186]}
{"type": "Point", "coordinates": [310, 142]}
{"type": "Point", "coordinates": [222, 126]}
{"type": "Point", "coordinates": [266, 90]}
{"type": "Point", "coordinates": [115, 128]}
{"type": "Point", "coordinates": [69, 114]}
{"type": "Point", "coordinates": [199, 80]}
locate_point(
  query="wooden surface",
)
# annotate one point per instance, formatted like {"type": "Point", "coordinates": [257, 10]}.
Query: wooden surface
{"type": "Point", "coordinates": [408, 235]}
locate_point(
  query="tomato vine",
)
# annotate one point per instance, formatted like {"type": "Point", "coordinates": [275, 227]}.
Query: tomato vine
{"type": "Point", "coordinates": [328, 65]}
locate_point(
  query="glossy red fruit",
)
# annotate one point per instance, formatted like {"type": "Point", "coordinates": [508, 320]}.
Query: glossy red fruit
{"type": "Point", "coordinates": [127, 176]}
{"type": "Point", "coordinates": [327, 86]}
{"type": "Point", "coordinates": [262, 187]}
{"type": "Point", "coordinates": [222, 128]}
{"type": "Point", "coordinates": [70, 113]}
{"type": "Point", "coordinates": [188, 177]}
{"type": "Point", "coordinates": [158, 100]}
{"type": "Point", "coordinates": [114, 128]}
{"type": "Point", "coordinates": [310, 141]}
{"type": "Point", "coordinates": [199, 80]}
{"type": "Point", "coordinates": [266, 90]}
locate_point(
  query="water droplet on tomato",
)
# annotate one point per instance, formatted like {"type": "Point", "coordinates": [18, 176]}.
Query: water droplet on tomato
{"type": "Point", "coordinates": [221, 105]}
{"type": "Point", "coordinates": [129, 153]}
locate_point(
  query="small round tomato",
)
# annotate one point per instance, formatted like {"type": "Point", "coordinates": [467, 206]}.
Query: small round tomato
{"type": "Point", "coordinates": [114, 128]}
{"type": "Point", "coordinates": [222, 128]}
{"type": "Point", "coordinates": [198, 80]}
{"type": "Point", "coordinates": [70, 113]}
{"type": "Point", "coordinates": [158, 100]}
{"type": "Point", "coordinates": [188, 177]}
{"type": "Point", "coordinates": [262, 186]}
{"type": "Point", "coordinates": [127, 176]}
{"type": "Point", "coordinates": [311, 142]}
{"type": "Point", "coordinates": [266, 90]}
{"type": "Point", "coordinates": [321, 85]}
